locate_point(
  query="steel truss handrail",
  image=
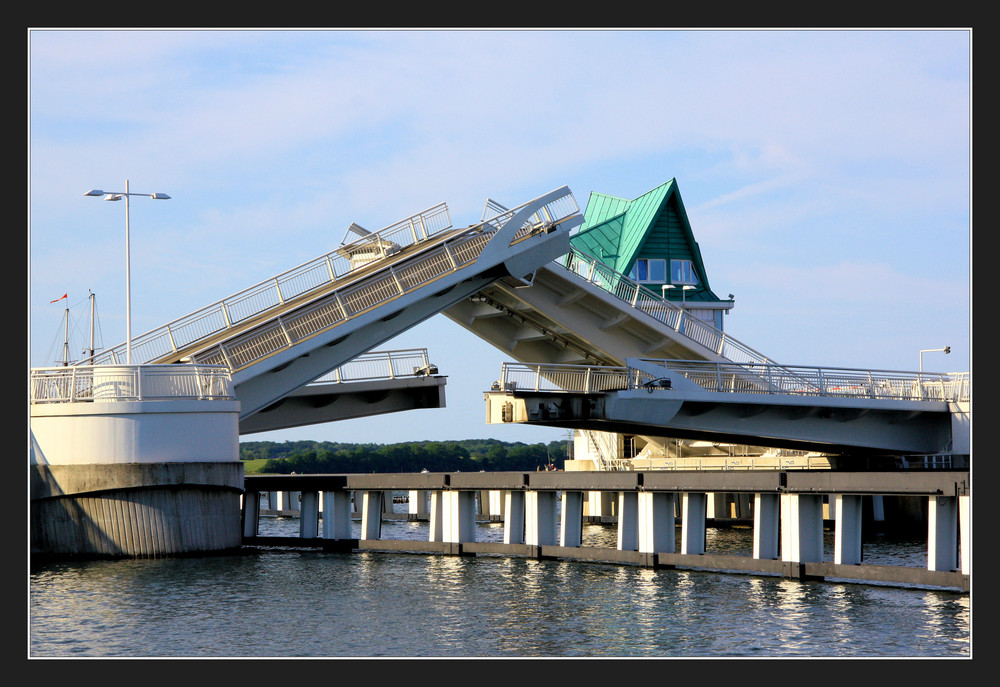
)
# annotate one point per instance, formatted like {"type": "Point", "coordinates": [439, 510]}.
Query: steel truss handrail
{"type": "Point", "coordinates": [741, 378]}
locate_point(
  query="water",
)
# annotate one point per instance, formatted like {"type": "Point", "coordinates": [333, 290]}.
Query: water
{"type": "Point", "coordinates": [299, 603]}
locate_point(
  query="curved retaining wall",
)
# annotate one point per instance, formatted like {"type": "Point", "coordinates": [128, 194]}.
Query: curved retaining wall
{"type": "Point", "coordinates": [135, 510]}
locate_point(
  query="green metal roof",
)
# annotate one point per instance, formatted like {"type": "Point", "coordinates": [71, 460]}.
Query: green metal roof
{"type": "Point", "coordinates": [618, 231]}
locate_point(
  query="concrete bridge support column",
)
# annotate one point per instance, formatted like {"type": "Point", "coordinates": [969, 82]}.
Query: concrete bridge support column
{"type": "Point", "coordinates": [288, 500]}
{"type": "Point", "coordinates": [801, 528]}
{"type": "Point", "coordinates": [693, 508]}
{"type": "Point", "coordinates": [417, 506]}
{"type": "Point", "coordinates": [540, 527]}
{"type": "Point", "coordinates": [571, 523]}
{"type": "Point", "coordinates": [495, 499]}
{"type": "Point", "coordinates": [847, 542]}
{"type": "Point", "coordinates": [272, 500]}
{"type": "Point", "coordinates": [309, 515]}
{"type": "Point", "coordinates": [459, 516]}
{"type": "Point", "coordinates": [942, 533]}
{"type": "Point", "coordinates": [336, 515]}
{"type": "Point", "coordinates": [657, 533]}
{"type": "Point", "coordinates": [628, 521]}
{"type": "Point", "coordinates": [878, 508]}
{"type": "Point", "coordinates": [600, 503]}
{"type": "Point", "coordinates": [251, 513]}
{"type": "Point", "coordinates": [715, 505]}
{"type": "Point", "coordinates": [437, 516]}
{"type": "Point", "coordinates": [965, 533]}
{"type": "Point", "coordinates": [513, 523]}
{"type": "Point", "coordinates": [766, 528]}
{"type": "Point", "coordinates": [371, 514]}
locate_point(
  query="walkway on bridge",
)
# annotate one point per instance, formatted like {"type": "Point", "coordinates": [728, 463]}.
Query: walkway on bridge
{"type": "Point", "coordinates": [281, 334]}
{"type": "Point", "coordinates": [812, 409]}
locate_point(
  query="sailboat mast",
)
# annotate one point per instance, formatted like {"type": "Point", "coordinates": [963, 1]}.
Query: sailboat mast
{"type": "Point", "coordinates": [66, 339]}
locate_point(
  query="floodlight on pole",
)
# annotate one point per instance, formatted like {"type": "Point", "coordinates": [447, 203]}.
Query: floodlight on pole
{"type": "Point", "coordinates": [114, 195]}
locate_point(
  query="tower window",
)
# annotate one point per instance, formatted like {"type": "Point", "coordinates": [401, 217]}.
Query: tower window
{"type": "Point", "coordinates": [682, 272]}
{"type": "Point", "coordinates": [649, 270]}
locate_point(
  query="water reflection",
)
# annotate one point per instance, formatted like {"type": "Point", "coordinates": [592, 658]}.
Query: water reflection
{"type": "Point", "coordinates": [304, 603]}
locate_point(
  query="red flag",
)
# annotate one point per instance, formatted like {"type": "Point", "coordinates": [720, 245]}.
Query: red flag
{"type": "Point", "coordinates": [60, 298]}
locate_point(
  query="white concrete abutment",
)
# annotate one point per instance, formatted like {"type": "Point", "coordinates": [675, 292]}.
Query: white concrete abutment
{"type": "Point", "coordinates": [134, 461]}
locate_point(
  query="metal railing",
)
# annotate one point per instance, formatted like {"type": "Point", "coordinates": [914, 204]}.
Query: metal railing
{"type": "Point", "coordinates": [823, 381]}
{"type": "Point", "coordinates": [570, 378]}
{"type": "Point", "coordinates": [653, 304]}
{"type": "Point", "coordinates": [86, 383]}
{"type": "Point", "coordinates": [741, 378]}
{"type": "Point", "coordinates": [604, 449]}
{"type": "Point", "coordinates": [275, 292]}
{"type": "Point", "coordinates": [331, 306]}
{"type": "Point", "coordinates": [381, 365]}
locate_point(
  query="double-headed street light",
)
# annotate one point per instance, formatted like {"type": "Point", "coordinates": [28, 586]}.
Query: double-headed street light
{"type": "Point", "coordinates": [111, 195]}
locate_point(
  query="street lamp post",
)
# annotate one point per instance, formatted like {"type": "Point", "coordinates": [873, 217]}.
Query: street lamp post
{"type": "Point", "coordinates": [684, 290]}
{"type": "Point", "coordinates": [111, 195]}
{"type": "Point", "coordinates": [946, 350]}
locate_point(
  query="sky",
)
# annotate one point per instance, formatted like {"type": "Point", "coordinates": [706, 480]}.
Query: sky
{"type": "Point", "coordinates": [826, 175]}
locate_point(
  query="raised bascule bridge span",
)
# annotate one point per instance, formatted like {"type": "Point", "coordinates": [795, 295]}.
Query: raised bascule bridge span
{"type": "Point", "coordinates": [300, 347]}
{"type": "Point", "coordinates": [278, 338]}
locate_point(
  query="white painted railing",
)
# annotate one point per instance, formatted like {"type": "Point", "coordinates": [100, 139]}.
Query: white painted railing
{"type": "Point", "coordinates": [331, 305]}
{"type": "Point", "coordinates": [828, 381]}
{"type": "Point", "coordinates": [571, 378]}
{"type": "Point", "coordinates": [653, 304]}
{"type": "Point", "coordinates": [85, 383]}
{"type": "Point", "coordinates": [741, 378]}
{"type": "Point", "coordinates": [273, 293]}
{"type": "Point", "coordinates": [381, 365]}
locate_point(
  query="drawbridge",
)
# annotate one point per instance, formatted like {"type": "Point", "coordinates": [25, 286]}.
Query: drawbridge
{"type": "Point", "coordinates": [859, 412]}
{"type": "Point", "coordinates": [279, 335]}
{"type": "Point", "coordinates": [580, 311]}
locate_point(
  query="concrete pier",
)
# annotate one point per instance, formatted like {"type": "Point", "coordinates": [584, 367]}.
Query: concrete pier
{"type": "Point", "coordinates": [543, 513]}
{"type": "Point", "coordinates": [134, 461]}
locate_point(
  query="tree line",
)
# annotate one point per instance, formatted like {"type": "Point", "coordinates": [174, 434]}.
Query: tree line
{"type": "Point", "coordinates": [469, 455]}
